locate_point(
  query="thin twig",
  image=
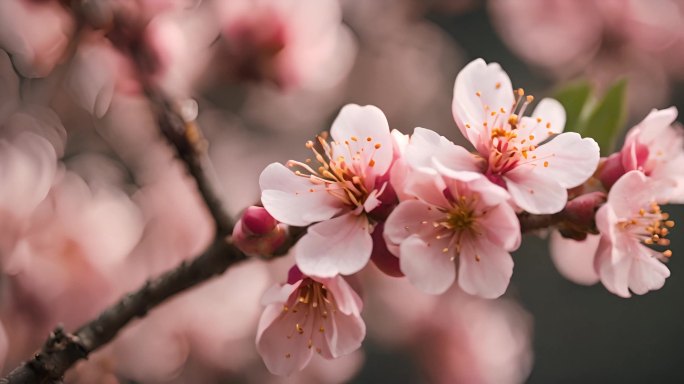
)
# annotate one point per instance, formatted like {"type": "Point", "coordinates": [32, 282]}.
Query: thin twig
{"type": "Point", "coordinates": [190, 147]}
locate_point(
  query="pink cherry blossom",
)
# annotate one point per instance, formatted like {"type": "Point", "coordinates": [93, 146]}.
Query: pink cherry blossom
{"type": "Point", "coordinates": [306, 315]}
{"type": "Point", "coordinates": [536, 172]}
{"type": "Point", "coordinates": [654, 147]}
{"type": "Point", "coordinates": [339, 194]}
{"type": "Point", "coordinates": [458, 218]}
{"type": "Point", "coordinates": [632, 227]}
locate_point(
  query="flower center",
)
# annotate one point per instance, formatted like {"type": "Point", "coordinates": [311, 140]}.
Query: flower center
{"type": "Point", "coordinates": [346, 174]}
{"type": "Point", "coordinates": [509, 145]}
{"type": "Point", "coordinates": [650, 227]}
{"type": "Point", "coordinates": [316, 303]}
{"type": "Point", "coordinates": [460, 221]}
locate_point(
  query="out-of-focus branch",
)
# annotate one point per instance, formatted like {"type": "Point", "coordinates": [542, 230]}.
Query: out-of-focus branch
{"type": "Point", "coordinates": [190, 146]}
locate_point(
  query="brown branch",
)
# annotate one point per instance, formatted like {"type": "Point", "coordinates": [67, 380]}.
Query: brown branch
{"type": "Point", "coordinates": [190, 147]}
{"type": "Point", "coordinates": [531, 223]}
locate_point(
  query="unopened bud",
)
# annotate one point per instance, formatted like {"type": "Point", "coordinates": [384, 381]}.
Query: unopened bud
{"type": "Point", "coordinates": [579, 215]}
{"type": "Point", "coordinates": [257, 233]}
{"type": "Point", "coordinates": [610, 170]}
{"type": "Point", "coordinates": [257, 221]}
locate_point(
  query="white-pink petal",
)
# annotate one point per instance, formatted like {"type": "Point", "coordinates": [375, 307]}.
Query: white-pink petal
{"type": "Point", "coordinates": [341, 245]}
{"type": "Point", "coordinates": [500, 226]}
{"type": "Point", "coordinates": [427, 148]}
{"type": "Point", "coordinates": [406, 220]}
{"type": "Point", "coordinates": [547, 119]}
{"type": "Point", "coordinates": [288, 197]}
{"type": "Point", "coordinates": [363, 122]}
{"type": "Point", "coordinates": [426, 266]}
{"type": "Point", "coordinates": [484, 268]}
{"type": "Point", "coordinates": [568, 159]}
{"type": "Point", "coordinates": [479, 89]}
{"type": "Point", "coordinates": [534, 192]}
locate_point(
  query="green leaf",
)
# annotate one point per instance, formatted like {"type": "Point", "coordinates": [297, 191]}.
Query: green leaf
{"type": "Point", "coordinates": [604, 121]}
{"type": "Point", "coordinates": [574, 98]}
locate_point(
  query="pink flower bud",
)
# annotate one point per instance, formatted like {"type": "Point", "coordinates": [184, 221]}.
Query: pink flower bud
{"type": "Point", "coordinates": [257, 221]}
{"type": "Point", "coordinates": [610, 170]}
{"type": "Point", "coordinates": [580, 214]}
{"type": "Point", "coordinates": [258, 233]}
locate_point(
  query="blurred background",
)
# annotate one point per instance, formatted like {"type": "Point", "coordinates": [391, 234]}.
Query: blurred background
{"type": "Point", "coordinates": [92, 201]}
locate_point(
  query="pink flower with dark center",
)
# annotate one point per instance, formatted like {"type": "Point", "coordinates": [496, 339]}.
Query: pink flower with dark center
{"type": "Point", "coordinates": [529, 156]}
{"type": "Point", "coordinates": [462, 221]}
{"type": "Point", "coordinates": [633, 229]}
{"type": "Point", "coordinates": [308, 315]}
{"type": "Point", "coordinates": [338, 190]}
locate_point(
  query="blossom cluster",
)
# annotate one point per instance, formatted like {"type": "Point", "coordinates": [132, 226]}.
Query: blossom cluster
{"type": "Point", "coordinates": [423, 207]}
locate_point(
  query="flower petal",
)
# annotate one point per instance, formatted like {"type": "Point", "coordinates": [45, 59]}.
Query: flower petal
{"type": "Point", "coordinates": [534, 192]}
{"type": "Point", "coordinates": [283, 355]}
{"type": "Point", "coordinates": [426, 187]}
{"type": "Point", "coordinates": [647, 274]}
{"type": "Point", "coordinates": [363, 122]}
{"type": "Point", "coordinates": [568, 158]}
{"type": "Point", "coordinates": [426, 266]}
{"type": "Point", "coordinates": [484, 269]}
{"type": "Point", "coordinates": [350, 330]}
{"type": "Point", "coordinates": [479, 89]}
{"type": "Point", "coordinates": [613, 268]}
{"type": "Point", "coordinates": [407, 220]}
{"type": "Point", "coordinates": [547, 119]}
{"type": "Point", "coordinates": [288, 197]}
{"type": "Point", "coordinates": [654, 125]}
{"type": "Point", "coordinates": [347, 300]}
{"type": "Point", "coordinates": [633, 191]}
{"type": "Point", "coordinates": [427, 147]}
{"type": "Point", "coordinates": [341, 245]}
{"type": "Point", "coordinates": [500, 225]}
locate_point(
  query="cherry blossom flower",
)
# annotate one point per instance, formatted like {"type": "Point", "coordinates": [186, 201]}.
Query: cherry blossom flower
{"type": "Point", "coordinates": [459, 217]}
{"type": "Point", "coordinates": [536, 172]}
{"type": "Point", "coordinates": [305, 315]}
{"type": "Point", "coordinates": [340, 194]}
{"type": "Point", "coordinates": [654, 147]}
{"type": "Point", "coordinates": [632, 226]}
